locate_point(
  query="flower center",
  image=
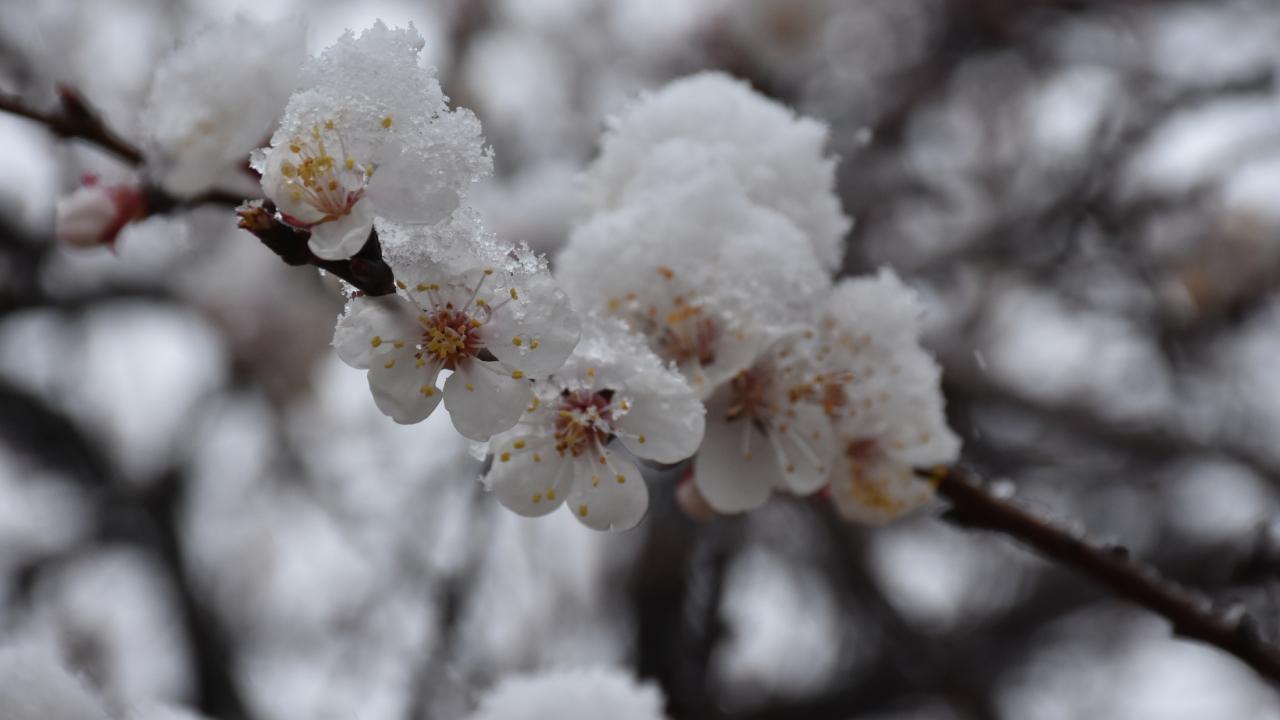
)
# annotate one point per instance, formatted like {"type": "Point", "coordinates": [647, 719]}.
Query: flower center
{"type": "Point", "coordinates": [316, 177]}
{"type": "Point", "coordinates": [583, 421]}
{"type": "Point", "coordinates": [448, 337]}
{"type": "Point", "coordinates": [751, 390]}
{"type": "Point", "coordinates": [860, 451]}
{"type": "Point", "coordinates": [685, 334]}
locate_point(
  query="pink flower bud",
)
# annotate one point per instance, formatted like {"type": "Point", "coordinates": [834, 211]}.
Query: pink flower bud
{"type": "Point", "coordinates": [94, 214]}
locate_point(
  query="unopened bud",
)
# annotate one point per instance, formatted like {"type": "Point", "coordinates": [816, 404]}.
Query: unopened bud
{"type": "Point", "coordinates": [94, 214]}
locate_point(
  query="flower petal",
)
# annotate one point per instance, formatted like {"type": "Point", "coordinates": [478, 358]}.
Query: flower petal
{"type": "Point", "coordinates": [664, 429]}
{"type": "Point", "coordinates": [403, 195]}
{"type": "Point", "coordinates": [735, 352]}
{"type": "Point", "coordinates": [280, 187]}
{"type": "Point", "coordinates": [372, 327]}
{"type": "Point", "coordinates": [876, 491]}
{"type": "Point", "coordinates": [483, 403]}
{"type": "Point", "coordinates": [536, 331]}
{"type": "Point", "coordinates": [529, 482]}
{"type": "Point", "coordinates": [342, 237]}
{"type": "Point", "coordinates": [401, 390]}
{"type": "Point", "coordinates": [806, 449]}
{"type": "Point", "coordinates": [731, 479]}
{"type": "Point", "coordinates": [612, 496]}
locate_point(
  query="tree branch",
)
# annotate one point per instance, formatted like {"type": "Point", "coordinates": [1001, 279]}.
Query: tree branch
{"type": "Point", "coordinates": [366, 270]}
{"type": "Point", "coordinates": [75, 118]}
{"type": "Point", "coordinates": [1192, 615]}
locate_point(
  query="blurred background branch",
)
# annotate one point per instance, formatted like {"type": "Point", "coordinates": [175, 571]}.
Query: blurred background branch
{"type": "Point", "coordinates": [198, 504]}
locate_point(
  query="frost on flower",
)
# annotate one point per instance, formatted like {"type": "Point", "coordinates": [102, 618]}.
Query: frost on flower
{"type": "Point", "coordinates": [700, 272]}
{"type": "Point", "coordinates": [369, 135]}
{"type": "Point", "coordinates": [766, 430]}
{"type": "Point", "coordinates": [587, 694]}
{"type": "Point", "coordinates": [489, 314]}
{"type": "Point", "coordinates": [562, 451]}
{"type": "Point", "coordinates": [777, 157]}
{"type": "Point", "coordinates": [888, 408]}
{"type": "Point", "coordinates": [215, 99]}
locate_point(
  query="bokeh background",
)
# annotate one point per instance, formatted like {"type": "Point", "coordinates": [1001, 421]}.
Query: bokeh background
{"type": "Point", "coordinates": [200, 504]}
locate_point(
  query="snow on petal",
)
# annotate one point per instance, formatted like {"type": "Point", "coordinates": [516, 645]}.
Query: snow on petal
{"type": "Point", "coordinates": [461, 295]}
{"type": "Point", "coordinates": [777, 157]}
{"type": "Point", "coordinates": [697, 269]}
{"type": "Point", "coordinates": [578, 412]}
{"type": "Point", "coordinates": [366, 104]}
{"type": "Point", "coordinates": [197, 125]}
{"type": "Point", "coordinates": [887, 406]}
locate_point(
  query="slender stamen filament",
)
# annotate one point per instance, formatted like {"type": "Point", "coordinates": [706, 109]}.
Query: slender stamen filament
{"type": "Point", "coordinates": [476, 291]}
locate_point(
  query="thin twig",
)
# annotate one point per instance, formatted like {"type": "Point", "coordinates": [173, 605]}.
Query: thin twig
{"type": "Point", "coordinates": [1192, 615]}
{"type": "Point", "coordinates": [367, 271]}
{"type": "Point", "coordinates": [75, 118]}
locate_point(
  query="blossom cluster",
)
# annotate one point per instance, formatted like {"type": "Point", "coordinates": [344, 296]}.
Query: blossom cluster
{"type": "Point", "coordinates": [692, 315]}
{"type": "Point", "coordinates": [713, 233]}
{"type": "Point", "coordinates": [698, 317]}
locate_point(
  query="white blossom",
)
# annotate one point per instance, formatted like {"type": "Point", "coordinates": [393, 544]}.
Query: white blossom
{"type": "Point", "coordinates": [766, 430]}
{"type": "Point", "coordinates": [888, 405]}
{"type": "Point", "coordinates": [562, 451]}
{"type": "Point", "coordinates": [775, 156]}
{"type": "Point", "coordinates": [585, 694]}
{"type": "Point", "coordinates": [489, 314]}
{"type": "Point", "coordinates": [369, 135]}
{"type": "Point", "coordinates": [702, 273]}
{"type": "Point", "coordinates": [94, 214]}
{"type": "Point", "coordinates": [215, 98]}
